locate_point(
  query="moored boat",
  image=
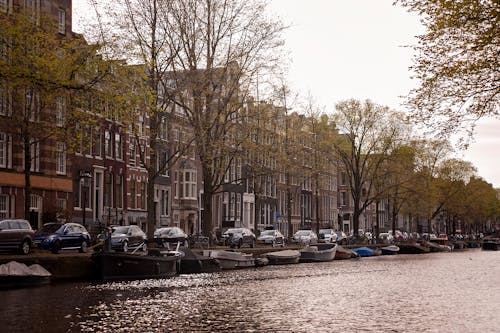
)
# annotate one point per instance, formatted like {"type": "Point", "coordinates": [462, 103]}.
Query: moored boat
{"type": "Point", "coordinates": [412, 248]}
{"type": "Point", "coordinates": [193, 262]}
{"type": "Point", "coordinates": [231, 259]}
{"type": "Point", "coordinates": [284, 257]}
{"type": "Point", "coordinates": [343, 253]}
{"type": "Point", "coordinates": [365, 251]}
{"type": "Point", "coordinates": [389, 250]}
{"type": "Point", "coordinates": [156, 264]}
{"type": "Point", "coordinates": [491, 244]}
{"type": "Point", "coordinates": [318, 252]}
{"type": "Point", "coordinates": [16, 275]}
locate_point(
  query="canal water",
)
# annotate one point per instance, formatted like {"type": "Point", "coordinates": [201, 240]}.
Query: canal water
{"type": "Point", "coordinates": [443, 292]}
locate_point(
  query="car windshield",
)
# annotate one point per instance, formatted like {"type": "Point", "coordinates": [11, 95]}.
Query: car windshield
{"type": "Point", "coordinates": [267, 233]}
{"type": "Point", "coordinates": [169, 231]}
{"type": "Point", "coordinates": [303, 233]}
{"type": "Point", "coordinates": [120, 230]}
{"type": "Point", "coordinates": [50, 228]}
{"type": "Point", "coordinates": [234, 231]}
{"type": "Point", "coordinates": [325, 231]}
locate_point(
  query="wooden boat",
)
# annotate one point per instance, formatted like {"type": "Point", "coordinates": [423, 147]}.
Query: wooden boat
{"type": "Point", "coordinates": [193, 262]}
{"type": "Point", "coordinates": [231, 259]}
{"type": "Point", "coordinates": [413, 248]}
{"type": "Point", "coordinates": [390, 250]}
{"type": "Point", "coordinates": [365, 251]}
{"type": "Point", "coordinates": [17, 275]}
{"type": "Point", "coordinates": [284, 257]}
{"type": "Point", "coordinates": [343, 253]}
{"type": "Point", "coordinates": [261, 261]}
{"type": "Point", "coordinates": [156, 264]}
{"type": "Point", "coordinates": [491, 244]}
{"type": "Point", "coordinates": [318, 252]}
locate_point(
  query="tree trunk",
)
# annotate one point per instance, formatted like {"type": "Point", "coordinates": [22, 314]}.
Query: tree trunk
{"type": "Point", "coordinates": [151, 218]}
{"type": "Point", "coordinates": [27, 177]}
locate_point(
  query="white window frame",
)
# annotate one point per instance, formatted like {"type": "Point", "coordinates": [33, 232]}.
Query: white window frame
{"type": "Point", "coordinates": [118, 146]}
{"type": "Point", "coordinates": [61, 21]}
{"type": "Point", "coordinates": [189, 184]}
{"type": "Point", "coordinates": [4, 150]}
{"type": "Point", "coordinates": [60, 158]}
{"type": "Point", "coordinates": [108, 144]}
{"type": "Point", "coordinates": [132, 155]}
{"type": "Point", "coordinates": [4, 206]}
{"type": "Point", "coordinates": [35, 155]}
{"type": "Point", "coordinates": [60, 110]}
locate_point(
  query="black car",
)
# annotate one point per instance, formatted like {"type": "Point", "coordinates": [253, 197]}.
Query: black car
{"type": "Point", "coordinates": [169, 235]}
{"type": "Point", "coordinates": [237, 237]}
{"type": "Point", "coordinates": [16, 235]}
{"type": "Point", "coordinates": [57, 236]}
{"type": "Point", "coordinates": [128, 237]}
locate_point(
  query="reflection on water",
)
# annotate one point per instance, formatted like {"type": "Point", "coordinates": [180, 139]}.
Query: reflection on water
{"type": "Point", "coordinates": [448, 292]}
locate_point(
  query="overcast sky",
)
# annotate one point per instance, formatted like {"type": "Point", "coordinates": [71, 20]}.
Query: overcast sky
{"type": "Point", "coordinates": [342, 49]}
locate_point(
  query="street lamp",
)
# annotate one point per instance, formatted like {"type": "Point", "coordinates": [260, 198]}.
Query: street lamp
{"type": "Point", "coordinates": [85, 178]}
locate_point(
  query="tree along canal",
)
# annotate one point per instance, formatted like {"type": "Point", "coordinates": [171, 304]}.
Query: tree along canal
{"type": "Point", "coordinates": [443, 292]}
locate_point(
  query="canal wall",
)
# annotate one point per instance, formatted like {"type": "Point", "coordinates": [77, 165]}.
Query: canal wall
{"type": "Point", "coordinates": [66, 266]}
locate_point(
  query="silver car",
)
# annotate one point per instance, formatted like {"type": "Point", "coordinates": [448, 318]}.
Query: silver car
{"type": "Point", "coordinates": [305, 237]}
{"type": "Point", "coordinates": [271, 237]}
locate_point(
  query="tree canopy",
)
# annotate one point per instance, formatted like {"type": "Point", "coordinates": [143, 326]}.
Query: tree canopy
{"type": "Point", "coordinates": [457, 63]}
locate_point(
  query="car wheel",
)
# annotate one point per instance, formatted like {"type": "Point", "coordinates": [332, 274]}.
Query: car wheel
{"type": "Point", "coordinates": [125, 246]}
{"type": "Point", "coordinates": [56, 247]}
{"type": "Point", "coordinates": [25, 247]}
{"type": "Point", "coordinates": [144, 247]}
{"type": "Point", "coordinates": [83, 247]}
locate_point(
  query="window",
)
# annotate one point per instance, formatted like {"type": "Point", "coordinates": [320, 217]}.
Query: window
{"type": "Point", "coordinates": [164, 203]}
{"type": "Point", "coordinates": [119, 191]}
{"type": "Point", "coordinates": [4, 6]}
{"type": "Point", "coordinates": [163, 132]}
{"type": "Point", "coordinates": [343, 178]}
{"type": "Point", "coordinates": [343, 198]}
{"type": "Point", "coordinates": [190, 184]}
{"type": "Point", "coordinates": [118, 146]}
{"type": "Point", "coordinates": [61, 159]}
{"type": "Point", "coordinates": [176, 185]}
{"type": "Point", "coordinates": [31, 105]}
{"type": "Point", "coordinates": [61, 26]}
{"type": "Point", "coordinates": [98, 143]}
{"type": "Point", "coordinates": [142, 199]}
{"type": "Point", "coordinates": [108, 190]}
{"type": "Point", "coordinates": [4, 150]}
{"type": "Point", "coordinates": [132, 195]}
{"type": "Point", "coordinates": [87, 144]}
{"type": "Point", "coordinates": [5, 101]}
{"type": "Point", "coordinates": [131, 153]}
{"type": "Point", "coordinates": [4, 207]}
{"type": "Point", "coordinates": [60, 110]}
{"type": "Point", "coordinates": [35, 155]}
{"type": "Point", "coordinates": [108, 144]}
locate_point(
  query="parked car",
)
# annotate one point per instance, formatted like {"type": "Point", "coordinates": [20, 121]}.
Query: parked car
{"type": "Point", "coordinates": [305, 237]}
{"type": "Point", "coordinates": [237, 237]}
{"type": "Point", "coordinates": [167, 235]}
{"type": "Point", "coordinates": [128, 237]}
{"type": "Point", "coordinates": [57, 236]}
{"type": "Point", "coordinates": [273, 237]}
{"type": "Point", "coordinates": [385, 237]}
{"type": "Point", "coordinates": [341, 237]}
{"type": "Point", "coordinates": [327, 236]}
{"type": "Point", "coordinates": [16, 235]}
